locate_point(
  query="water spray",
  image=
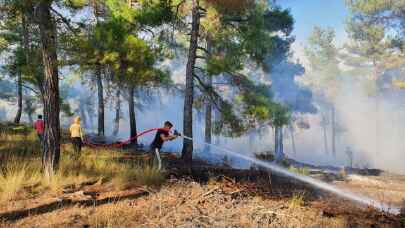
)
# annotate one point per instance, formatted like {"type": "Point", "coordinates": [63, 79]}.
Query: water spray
{"type": "Point", "coordinates": [278, 169]}
{"type": "Point", "coordinates": [309, 180]}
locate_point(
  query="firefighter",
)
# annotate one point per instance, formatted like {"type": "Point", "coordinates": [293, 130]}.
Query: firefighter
{"type": "Point", "coordinates": [162, 135]}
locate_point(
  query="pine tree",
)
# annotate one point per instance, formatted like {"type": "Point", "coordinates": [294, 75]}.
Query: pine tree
{"type": "Point", "coordinates": [237, 32]}
{"type": "Point", "coordinates": [324, 76]}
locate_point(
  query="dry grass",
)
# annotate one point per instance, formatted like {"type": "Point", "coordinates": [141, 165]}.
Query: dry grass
{"type": "Point", "coordinates": [177, 203]}
{"type": "Point", "coordinates": [189, 204]}
{"type": "Point", "coordinates": [21, 176]}
{"type": "Point", "coordinates": [12, 180]}
{"type": "Point", "coordinates": [297, 200]}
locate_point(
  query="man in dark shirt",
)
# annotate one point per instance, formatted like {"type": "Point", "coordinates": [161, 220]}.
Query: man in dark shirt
{"type": "Point", "coordinates": [162, 135]}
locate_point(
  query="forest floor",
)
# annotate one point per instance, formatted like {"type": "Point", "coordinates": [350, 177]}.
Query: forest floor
{"type": "Point", "coordinates": [116, 189]}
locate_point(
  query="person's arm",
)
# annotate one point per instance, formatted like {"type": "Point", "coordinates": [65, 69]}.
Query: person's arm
{"type": "Point", "coordinates": [167, 138]}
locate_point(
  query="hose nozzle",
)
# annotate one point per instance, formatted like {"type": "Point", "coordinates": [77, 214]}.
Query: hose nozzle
{"type": "Point", "coordinates": [176, 133]}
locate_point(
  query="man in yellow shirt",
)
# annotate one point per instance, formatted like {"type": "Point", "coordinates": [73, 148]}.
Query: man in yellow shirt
{"type": "Point", "coordinates": [76, 134]}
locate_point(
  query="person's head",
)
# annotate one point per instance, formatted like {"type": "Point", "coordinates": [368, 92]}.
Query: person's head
{"type": "Point", "coordinates": [167, 125]}
{"type": "Point", "coordinates": [40, 117]}
{"type": "Point", "coordinates": [77, 120]}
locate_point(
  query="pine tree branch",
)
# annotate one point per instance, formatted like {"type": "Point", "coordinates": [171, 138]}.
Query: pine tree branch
{"type": "Point", "coordinates": [178, 6]}
{"type": "Point", "coordinates": [212, 95]}
{"type": "Point", "coordinates": [145, 29]}
{"type": "Point", "coordinates": [65, 21]}
{"type": "Point", "coordinates": [202, 9]}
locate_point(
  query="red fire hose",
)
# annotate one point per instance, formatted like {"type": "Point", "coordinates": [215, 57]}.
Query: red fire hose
{"type": "Point", "coordinates": [120, 144]}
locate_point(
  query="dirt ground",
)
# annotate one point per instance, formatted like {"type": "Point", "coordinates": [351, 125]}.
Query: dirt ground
{"type": "Point", "coordinates": [387, 187]}
{"type": "Point", "coordinates": [218, 201]}
{"type": "Point", "coordinates": [185, 203]}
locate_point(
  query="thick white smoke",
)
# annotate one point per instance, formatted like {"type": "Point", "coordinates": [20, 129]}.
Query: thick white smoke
{"type": "Point", "coordinates": [355, 115]}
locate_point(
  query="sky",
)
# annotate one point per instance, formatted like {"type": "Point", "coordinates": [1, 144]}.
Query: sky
{"type": "Point", "coordinates": [310, 13]}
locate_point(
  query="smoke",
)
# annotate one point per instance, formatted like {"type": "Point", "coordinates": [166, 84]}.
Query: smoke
{"type": "Point", "coordinates": [287, 90]}
{"type": "Point", "coordinates": [358, 126]}
{"type": "Point", "coordinates": [374, 127]}
{"type": "Point", "coordinates": [370, 126]}
{"type": "Point", "coordinates": [355, 123]}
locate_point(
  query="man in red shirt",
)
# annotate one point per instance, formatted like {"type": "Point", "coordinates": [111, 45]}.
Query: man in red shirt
{"type": "Point", "coordinates": [39, 126]}
{"type": "Point", "coordinates": [162, 135]}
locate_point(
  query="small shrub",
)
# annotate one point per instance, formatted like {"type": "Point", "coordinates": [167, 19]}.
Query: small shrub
{"type": "Point", "coordinates": [297, 200]}
{"type": "Point", "coordinates": [149, 175]}
{"type": "Point", "coordinates": [15, 175]}
{"type": "Point", "coordinates": [302, 171]}
{"type": "Point", "coordinates": [10, 184]}
{"type": "Point", "coordinates": [55, 183]}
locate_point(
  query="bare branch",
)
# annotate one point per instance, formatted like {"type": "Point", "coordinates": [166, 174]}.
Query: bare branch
{"type": "Point", "coordinates": [31, 89]}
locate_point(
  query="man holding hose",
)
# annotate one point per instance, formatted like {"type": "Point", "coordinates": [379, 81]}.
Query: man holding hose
{"type": "Point", "coordinates": [162, 135]}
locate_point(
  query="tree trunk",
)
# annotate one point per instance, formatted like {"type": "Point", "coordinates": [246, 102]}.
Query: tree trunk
{"type": "Point", "coordinates": [208, 104]}
{"type": "Point", "coordinates": [30, 119]}
{"type": "Point", "coordinates": [117, 112]}
{"type": "Point", "coordinates": [51, 150]}
{"type": "Point", "coordinates": [293, 139]}
{"type": "Point", "coordinates": [324, 124]}
{"type": "Point", "coordinates": [325, 139]}
{"type": "Point", "coordinates": [208, 119]}
{"type": "Point", "coordinates": [83, 115]}
{"type": "Point", "coordinates": [90, 115]}
{"type": "Point", "coordinates": [187, 152]}
{"type": "Point", "coordinates": [100, 95]}
{"type": "Point", "coordinates": [25, 44]}
{"type": "Point", "coordinates": [279, 151]}
{"type": "Point", "coordinates": [29, 109]}
{"type": "Point", "coordinates": [132, 120]}
{"type": "Point", "coordinates": [377, 127]}
{"type": "Point", "coordinates": [333, 119]}
{"type": "Point", "coordinates": [217, 119]}
{"type": "Point", "coordinates": [19, 99]}
{"type": "Point", "coordinates": [251, 139]}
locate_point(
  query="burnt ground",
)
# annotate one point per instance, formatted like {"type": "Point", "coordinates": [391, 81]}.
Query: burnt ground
{"type": "Point", "coordinates": [204, 196]}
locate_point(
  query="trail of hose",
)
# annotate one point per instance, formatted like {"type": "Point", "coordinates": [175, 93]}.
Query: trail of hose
{"type": "Point", "coordinates": [309, 180]}
{"type": "Point", "coordinates": [123, 143]}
